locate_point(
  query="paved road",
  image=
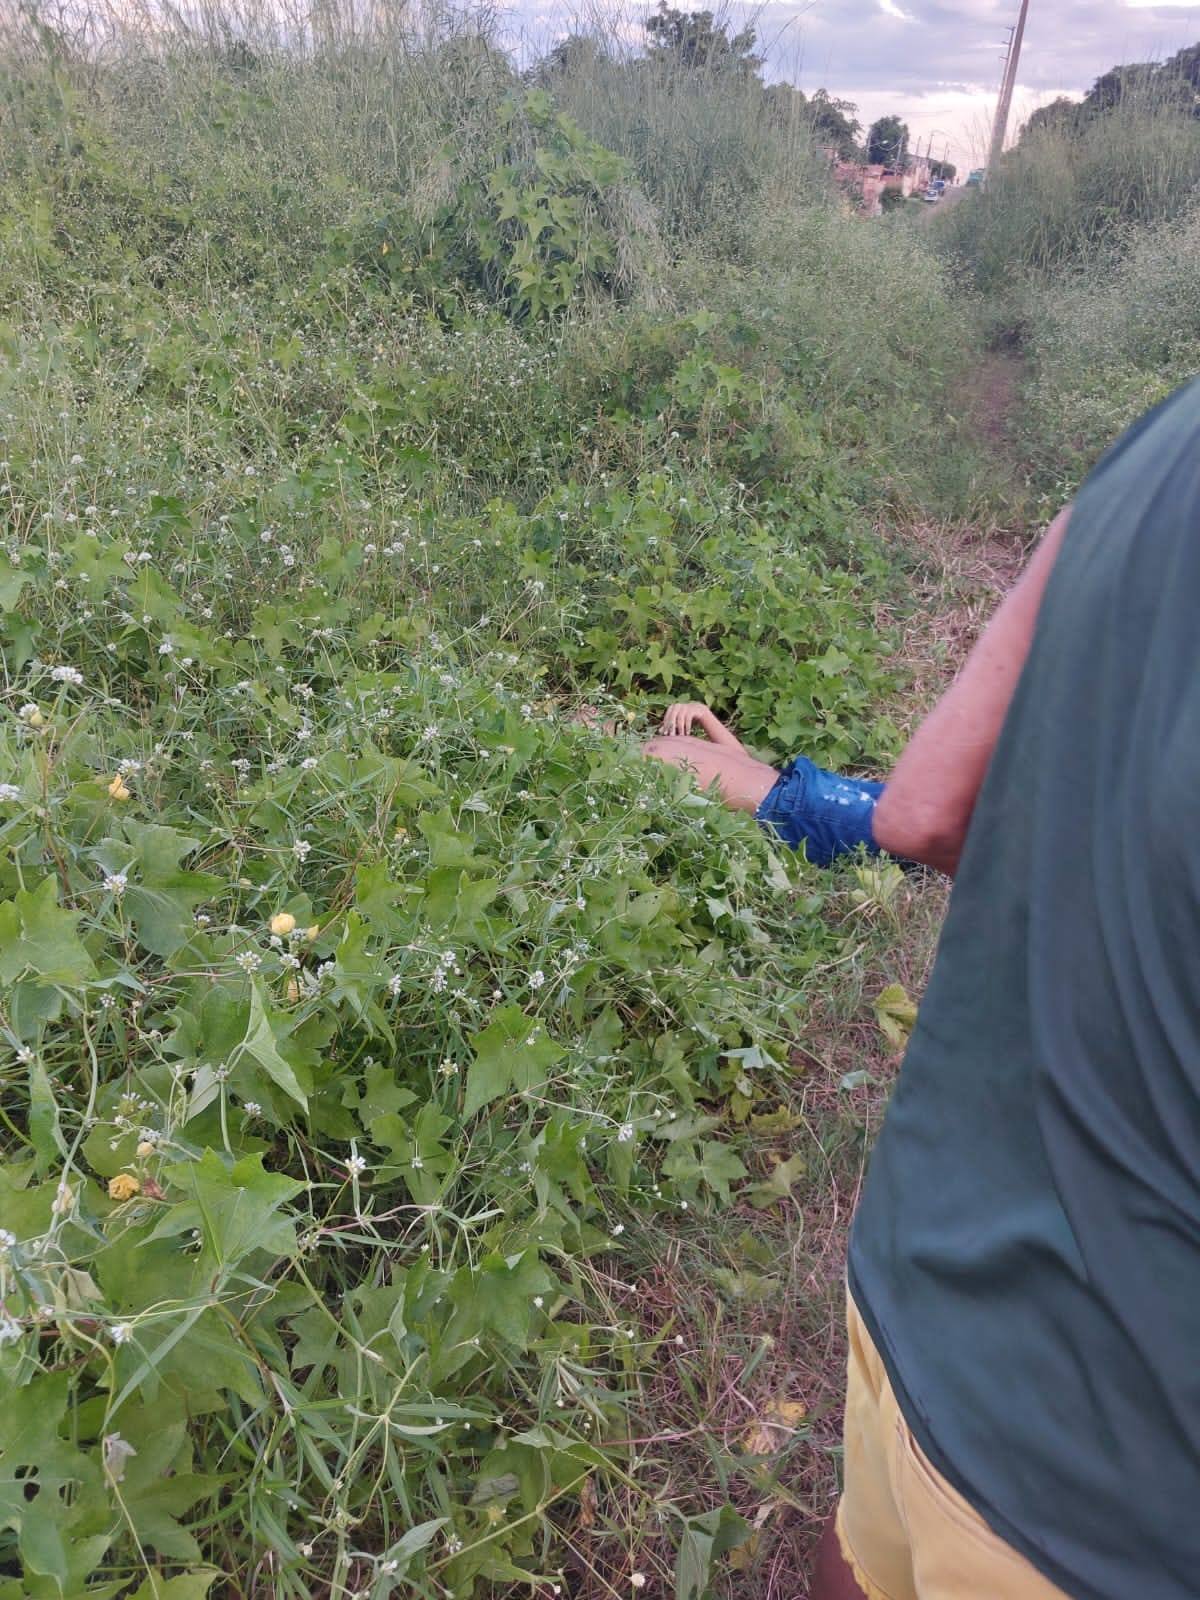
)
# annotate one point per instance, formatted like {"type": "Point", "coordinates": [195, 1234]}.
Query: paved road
{"type": "Point", "coordinates": [950, 197]}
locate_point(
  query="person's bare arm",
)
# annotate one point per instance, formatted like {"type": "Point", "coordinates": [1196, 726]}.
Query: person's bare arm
{"type": "Point", "coordinates": [924, 811]}
{"type": "Point", "coordinates": [684, 714]}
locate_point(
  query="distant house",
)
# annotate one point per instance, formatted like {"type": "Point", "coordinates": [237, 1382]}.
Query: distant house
{"type": "Point", "coordinates": [863, 186]}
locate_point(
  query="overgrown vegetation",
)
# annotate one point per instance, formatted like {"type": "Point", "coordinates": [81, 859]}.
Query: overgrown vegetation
{"type": "Point", "coordinates": [367, 1021]}
{"type": "Point", "coordinates": [1084, 246]}
{"type": "Point", "coordinates": [425, 1123]}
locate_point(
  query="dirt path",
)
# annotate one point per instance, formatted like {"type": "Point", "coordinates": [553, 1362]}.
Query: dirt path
{"type": "Point", "coordinates": [992, 396]}
{"type": "Point", "coordinates": [960, 574]}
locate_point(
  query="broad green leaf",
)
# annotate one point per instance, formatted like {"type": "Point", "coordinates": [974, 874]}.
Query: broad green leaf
{"type": "Point", "coordinates": [705, 1540]}
{"type": "Point", "coordinates": [235, 1208]}
{"type": "Point", "coordinates": [12, 581]}
{"type": "Point", "coordinates": [779, 1185]}
{"type": "Point", "coordinates": [44, 1130]}
{"type": "Point", "coordinates": [415, 1540]}
{"type": "Point", "coordinates": [506, 1290]}
{"type": "Point", "coordinates": [192, 1585]}
{"type": "Point", "coordinates": [259, 1044]}
{"type": "Point", "coordinates": [161, 897]}
{"type": "Point", "coordinates": [896, 1014]}
{"type": "Point", "coordinates": [447, 846]}
{"type": "Point", "coordinates": [513, 1052]}
{"type": "Point", "coordinates": [63, 1528]}
{"type": "Point", "coordinates": [38, 937]}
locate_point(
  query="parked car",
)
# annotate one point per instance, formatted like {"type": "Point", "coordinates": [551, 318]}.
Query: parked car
{"type": "Point", "coordinates": [975, 179]}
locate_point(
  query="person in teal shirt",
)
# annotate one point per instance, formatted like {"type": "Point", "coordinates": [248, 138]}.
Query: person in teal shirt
{"type": "Point", "coordinates": [1023, 1403]}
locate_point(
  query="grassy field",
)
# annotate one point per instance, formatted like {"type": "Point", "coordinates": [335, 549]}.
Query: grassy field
{"type": "Point", "coordinates": [428, 1129]}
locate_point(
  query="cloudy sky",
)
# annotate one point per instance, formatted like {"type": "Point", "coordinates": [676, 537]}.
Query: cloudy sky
{"type": "Point", "coordinates": [934, 63]}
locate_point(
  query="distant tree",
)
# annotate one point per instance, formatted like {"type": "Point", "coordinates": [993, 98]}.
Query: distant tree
{"type": "Point", "coordinates": [887, 142]}
{"type": "Point", "coordinates": [1060, 116]}
{"type": "Point", "coordinates": [694, 39]}
{"type": "Point", "coordinates": [1183, 69]}
{"type": "Point", "coordinates": [571, 56]}
{"type": "Point", "coordinates": [1133, 81]}
{"type": "Point", "coordinates": [943, 169]}
{"type": "Point", "coordinates": [835, 125]}
{"type": "Point", "coordinates": [1185, 64]}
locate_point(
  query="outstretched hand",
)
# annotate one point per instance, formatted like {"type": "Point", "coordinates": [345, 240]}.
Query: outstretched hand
{"type": "Point", "coordinates": [681, 717]}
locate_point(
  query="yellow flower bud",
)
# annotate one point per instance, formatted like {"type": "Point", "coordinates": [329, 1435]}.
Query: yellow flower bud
{"type": "Point", "coordinates": [34, 717]}
{"type": "Point", "coordinates": [311, 933]}
{"type": "Point", "coordinates": [63, 1200]}
{"type": "Point", "coordinates": [282, 923]}
{"type": "Point", "coordinates": [146, 1148]}
{"type": "Point", "coordinates": [124, 1186]}
{"type": "Point", "coordinates": [293, 990]}
{"type": "Point", "coordinates": [117, 788]}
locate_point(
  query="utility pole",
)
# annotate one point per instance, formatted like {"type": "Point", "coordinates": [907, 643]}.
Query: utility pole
{"type": "Point", "coordinates": [1008, 83]}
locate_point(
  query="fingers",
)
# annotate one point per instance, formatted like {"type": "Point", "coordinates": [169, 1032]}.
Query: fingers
{"type": "Point", "coordinates": [678, 718]}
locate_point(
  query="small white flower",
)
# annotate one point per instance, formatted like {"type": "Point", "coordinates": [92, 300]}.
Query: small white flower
{"type": "Point", "coordinates": [625, 1133]}
{"type": "Point", "coordinates": [537, 979]}
{"type": "Point", "coordinates": [429, 733]}
{"type": "Point", "coordinates": [538, 1301]}
{"type": "Point", "coordinates": [120, 1332]}
{"type": "Point", "coordinates": [10, 1329]}
{"type": "Point", "coordinates": [165, 647]}
{"type": "Point", "coordinates": [395, 984]}
{"type": "Point", "coordinates": [116, 1452]}
{"type": "Point", "coordinates": [67, 675]}
{"type": "Point", "coordinates": [252, 1108]}
{"type": "Point", "coordinates": [356, 1166]}
{"type": "Point", "coordinates": [301, 849]}
{"type": "Point", "coordinates": [618, 1230]}
{"type": "Point", "coordinates": [9, 791]}
{"type": "Point", "coordinates": [116, 883]}
{"type": "Point", "coordinates": [248, 960]}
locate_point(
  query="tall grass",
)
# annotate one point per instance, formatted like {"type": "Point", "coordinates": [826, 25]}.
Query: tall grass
{"type": "Point", "coordinates": [1105, 344]}
{"type": "Point", "coordinates": [713, 149]}
{"type": "Point", "coordinates": [1070, 192]}
{"type": "Point", "coordinates": [1083, 247]}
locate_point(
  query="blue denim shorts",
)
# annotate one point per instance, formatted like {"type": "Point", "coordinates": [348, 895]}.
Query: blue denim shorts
{"type": "Point", "coordinates": [828, 814]}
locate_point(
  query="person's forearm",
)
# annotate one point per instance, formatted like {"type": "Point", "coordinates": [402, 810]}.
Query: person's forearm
{"type": "Point", "coordinates": [717, 731]}
{"type": "Point", "coordinates": [925, 810]}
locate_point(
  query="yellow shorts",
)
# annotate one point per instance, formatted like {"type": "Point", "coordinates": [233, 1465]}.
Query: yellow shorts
{"type": "Point", "coordinates": [904, 1532]}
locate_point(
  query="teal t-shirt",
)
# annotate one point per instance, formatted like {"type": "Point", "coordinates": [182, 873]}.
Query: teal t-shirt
{"type": "Point", "coordinates": [1027, 1250]}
